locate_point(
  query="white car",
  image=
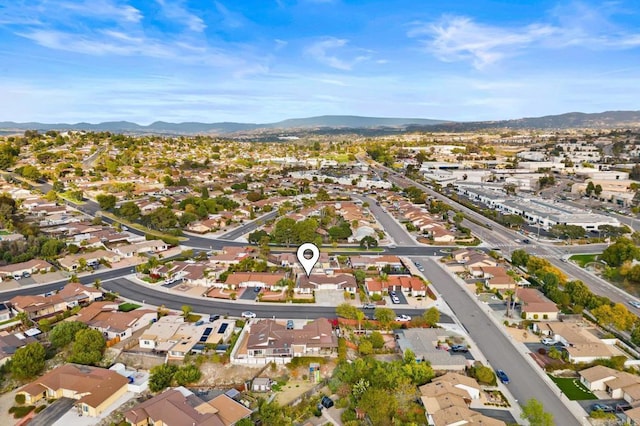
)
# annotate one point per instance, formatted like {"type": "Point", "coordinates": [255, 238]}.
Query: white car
{"type": "Point", "coordinates": [248, 314]}
{"type": "Point", "coordinates": [395, 299]}
{"type": "Point", "coordinates": [548, 341]}
{"type": "Point", "coordinates": [634, 304]}
{"type": "Point", "coordinates": [403, 318]}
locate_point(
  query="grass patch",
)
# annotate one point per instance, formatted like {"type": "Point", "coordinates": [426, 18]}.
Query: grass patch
{"type": "Point", "coordinates": [583, 259]}
{"type": "Point", "coordinates": [66, 196]}
{"type": "Point", "coordinates": [127, 307]}
{"type": "Point", "coordinates": [572, 388]}
{"type": "Point", "coordinates": [141, 228]}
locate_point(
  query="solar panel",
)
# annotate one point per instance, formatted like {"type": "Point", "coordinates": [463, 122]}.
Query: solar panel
{"type": "Point", "coordinates": [222, 328]}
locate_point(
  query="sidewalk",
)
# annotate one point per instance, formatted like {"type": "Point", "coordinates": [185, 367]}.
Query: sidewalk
{"type": "Point", "coordinates": [576, 410]}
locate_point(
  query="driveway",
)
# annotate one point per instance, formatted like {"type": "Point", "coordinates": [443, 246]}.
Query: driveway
{"type": "Point", "coordinates": [329, 297]}
{"type": "Point", "coordinates": [504, 415]}
{"type": "Point", "coordinates": [249, 294]}
{"type": "Point", "coordinates": [53, 412]}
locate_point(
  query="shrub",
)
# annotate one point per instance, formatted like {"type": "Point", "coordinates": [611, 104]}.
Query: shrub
{"type": "Point", "coordinates": [542, 351]}
{"type": "Point", "coordinates": [20, 398]}
{"type": "Point", "coordinates": [20, 412]}
{"type": "Point", "coordinates": [40, 408]}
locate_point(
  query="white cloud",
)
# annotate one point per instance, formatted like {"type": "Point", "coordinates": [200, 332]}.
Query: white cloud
{"type": "Point", "coordinates": [320, 52]}
{"type": "Point", "coordinates": [229, 19]}
{"type": "Point", "coordinates": [105, 9]}
{"type": "Point", "coordinates": [175, 10]}
{"type": "Point", "coordinates": [460, 38]}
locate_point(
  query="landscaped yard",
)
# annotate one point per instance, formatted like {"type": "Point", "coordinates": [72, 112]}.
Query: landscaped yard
{"type": "Point", "coordinates": [572, 388]}
{"type": "Point", "coordinates": [583, 259]}
{"type": "Point", "coordinates": [127, 307]}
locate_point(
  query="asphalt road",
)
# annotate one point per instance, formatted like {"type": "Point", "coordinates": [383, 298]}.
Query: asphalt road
{"type": "Point", "coordinates": [399, 234]}
{"type": "Point", "coordinates": [524, 382]}
{"type": "Point", "coordinates": [153, 296]}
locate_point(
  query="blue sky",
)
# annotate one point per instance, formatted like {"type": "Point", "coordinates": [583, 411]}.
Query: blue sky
{"type": "Point", "coordinates": [268, 60]}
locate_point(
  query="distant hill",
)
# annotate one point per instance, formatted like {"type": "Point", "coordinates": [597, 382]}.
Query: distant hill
{"type": "Point", "coordinates": [608, 119]}
{"type": "Point", "coordinates": [327, 121]}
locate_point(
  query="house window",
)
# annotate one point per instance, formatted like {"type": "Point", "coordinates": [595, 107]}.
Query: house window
{"type": "Point", "coordinates": [85, 408]}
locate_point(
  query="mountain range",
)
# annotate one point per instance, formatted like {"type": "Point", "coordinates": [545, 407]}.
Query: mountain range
{"type": "Point", "coordinates": [608, 119]}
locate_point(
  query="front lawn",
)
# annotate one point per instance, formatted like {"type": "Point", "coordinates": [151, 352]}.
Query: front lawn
{"type": "Point", "coordinates": [127, 307]}
{"type": "Point", "coordinates": [583, 259]}
{"type": "Point", "coordinates": [572, 388]}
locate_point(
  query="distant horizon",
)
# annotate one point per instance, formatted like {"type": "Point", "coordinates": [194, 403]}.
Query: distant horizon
{"type": "Point", "coordinates": [264, 61]}
{"type": "Point", "coordinates": [75, 122]}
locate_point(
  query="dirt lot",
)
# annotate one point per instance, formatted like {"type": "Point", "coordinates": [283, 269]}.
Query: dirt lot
{"type": "Point", "coordinates": [226, 375]}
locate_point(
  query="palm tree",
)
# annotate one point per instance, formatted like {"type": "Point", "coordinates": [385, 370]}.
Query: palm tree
{"type": "Point", "coordinates": [97, 284]}
{"type": "Point", "coordinates": [359, 316]}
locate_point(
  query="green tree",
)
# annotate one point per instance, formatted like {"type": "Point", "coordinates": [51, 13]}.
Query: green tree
{"type": "Point", "coordinates": [368, 242]}
{"type": "Point", "coordinates": [431, 316]}
{"type": "Point", "coordinates": [161, 377]}
{"type": "Point", "coordinates": [589, 189]}
{"type": "Point", "coordinates": [129, 210]}
{"type": "Point", "coordinates": [346, 310]}
{"type": "Point", "coordinates": [385, 316]}
{"type": "Point", "coordinates": [186, 310]}
{"type": "Point", "coordinates": [28, 361]}
{"type": "Point", "coordinates": [533, 412]}
{"type": "Point", "coordinates": [106, 201]}
{"type": "Point", "coordinates": [365, 347]}
{"type": "Point", "coordinates": [187, 374]}
{"type": "Point", "coordinates": [376, 340]}
{"type": "Point", "coordinates": [65, 333]}
{"type": "Point", "coordinates": [256, 237]}
{"type": "Point", "coordinates": [519, 257]}
{"type": "Point", "coordinates": [619, 252]}
{"type": "Point", "coordinates": [88, 347]}
{"type": "Point", "coordinates": [484, 374]}
{"type": "Point", "coordinates": [283, 232]}
{"type": "Point", "coordinates": [379, 405]}
{"type": "Point", "coordinates": [458, 218]}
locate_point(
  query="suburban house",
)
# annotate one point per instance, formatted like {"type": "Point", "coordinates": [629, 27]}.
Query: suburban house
{"type": "Point", "coordinates": [268, 280]}
{"type": "Point", "coordinates": [617, 384]}
{"type": "Point", "coordinates": [114, 324]}
{"type": "Point", "coordinates": [76, 294]}
{"type": "Point", "coordinates": [142, 247]}
{"type": "Point", "coordinates": [495, 277]}
{"type": "Point", "coordinates": [579, 341]}
{"type": "Point", "coordinates": [5, 312]}
{"type": "Point", "coordinates": [342, 282]}
{"type": "Point", "coordinates": [230, 255]}
{"type": "Point", "coordinates": [290, 260]}
{"type": "Point", "coordinates": [404, 283]}
{"type": "Point", "coordinates": [261, 384]}
{"type": "Point", "coordinates": [95, 389]}
{"type": "Point", "coordinates": [9, 343]}
{"type": "Point", "coordinates": [440, 234]}
{"type": "Point", "coordinates": [171, 334]}
{"type": "Point", "coordinates": [269, 341]}
{"type": "Point", "coordinates": [447, 398]}
{"type": "Point", "coordinates": [180, 406]}
{"type": "Point", "coordinates": [72, 262]}
{"type": "Point", "coordinates": [375, 262]}
{"type": "Point", "coordinates": [473, 258]}
{"type": "Point", "coordinates": [23, 269]}
{"type": "Point", "coordinates": [423, 342]}
{"type": "Point", "coordinates": [535, 305]}
{"type": "Point", "coordinates": [37, 307]}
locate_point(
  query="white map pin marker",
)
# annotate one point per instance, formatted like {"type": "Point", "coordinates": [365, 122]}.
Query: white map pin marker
{"type": "Point", "coordinates": [308, 262]}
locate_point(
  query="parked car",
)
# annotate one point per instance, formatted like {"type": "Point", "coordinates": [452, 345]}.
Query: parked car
{"type": "Point", "coordinates": [289, 324]}
{"type": "Point", "coordinates": [548, 341]}
{"type": "Point", "coordinates": [526, 241]}
{"type": "Point", "coordinates": [403, 318]}
{"type": "Point", "coordinates": [248, 314]}
{"type": "Point", "coordinates": [213, 317]}
{"type": "Point", "coordinates": [502, 376]}
{"type": "Point", "coordinates": [257, 289]}
{"type": "Point", "coordinates": [326, 402]}
{"type": "Point", "coordinates": [602, 407]}
{"type": "Point", "coordinates": [395, 299]}
{"type": "Point", "coordinates": [459, 348]}
{"type": "Point", "coordinates": [369, 306]}
{"type": "Point", "coordinates": [392, 293]}
{"type": "Point", "coordinates": [623, 407]}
